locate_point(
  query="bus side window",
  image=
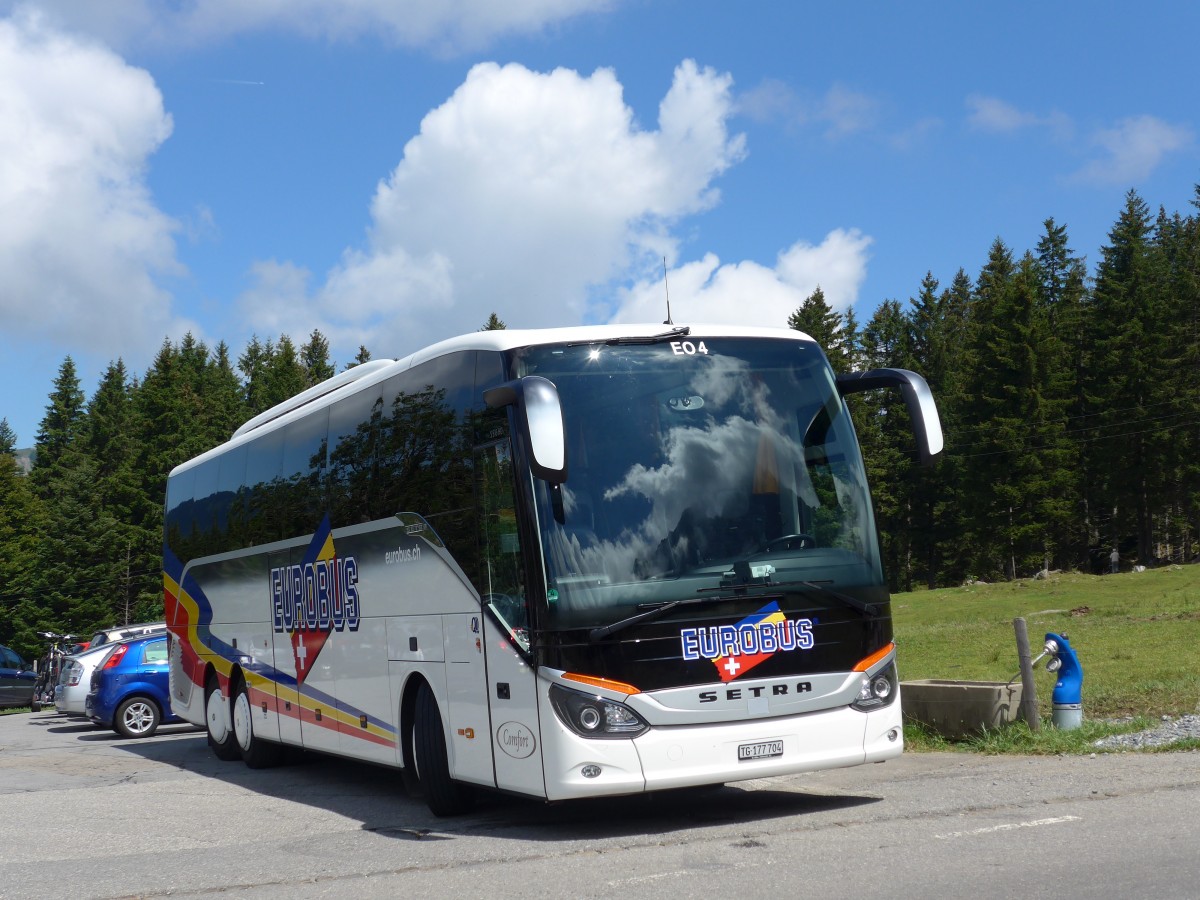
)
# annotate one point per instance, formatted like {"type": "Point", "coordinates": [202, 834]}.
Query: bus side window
{"type": "Point", "coordinates": [501, 578]}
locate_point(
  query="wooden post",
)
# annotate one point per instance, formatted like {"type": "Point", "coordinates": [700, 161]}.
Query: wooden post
{"type": "Point", "coordinates": [1029, 703]}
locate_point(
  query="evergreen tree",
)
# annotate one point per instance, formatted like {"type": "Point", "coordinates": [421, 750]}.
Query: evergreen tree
{"type": "Point", "coordinates": [130, 566]}
{"type": "Point", "coordinates": [852, 354]}
{"type": "Point", "coordinates": [930, 342]}
{"type": "Point", "coordinates": [20, 525]}
{"type": "Point", "coordinates": [314, 359]}
{"type": "Point", "coordinates": [998, 375]}
{"type": "Point", "coordinates": [223, 396]}
{"type": "Point", "coordinates": [77, 551]}
{"type": "Point", "coordinates": [285, 376]}
{"type": "Point", "coordinates": [885, 433]}
{"type": "Point", "coordinates": [1062, 310]}
{"type": "Point", "coordinates": [1176, 248]}
{"type": "Point", "coordinates": [819, 321]}
{"type": "Point", "coordinates": [954, 554]}
{"type": "Point", "coordinates": [1125, 383]}
{"type": "Point", "coordinates": [253, 364]}
{"type": "Point", "coordinates": [493, 323]}
{"type": "Point", "coordinates": [61, 424]}
{"type": "Point", "coordinates": [171, 422]}
{"type": "Point", "coordinates": [109, 435]}
{"type": "Point", "coordinates": [363, 355]}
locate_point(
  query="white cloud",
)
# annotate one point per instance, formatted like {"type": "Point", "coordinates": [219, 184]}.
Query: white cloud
{"type": "Point", "coordinates": [1132, 149]}
{"type": "Point", "coordinates": [841, 110]}
{"type": "Point", "coordinates": [522, 192]}
{"type": "Point", "coordinates": [447, 25]}
{"type": "Point", "coordinates": [847, 111]}
{"type": "Point", "coordinates": [752, 294]}
{"type": "Point", "coordinates": [997, 116]}
{"type": "Point", "coordinates": [81, 240]}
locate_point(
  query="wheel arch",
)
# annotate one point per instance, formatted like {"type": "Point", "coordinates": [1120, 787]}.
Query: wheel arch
{"type": "Point", "coordinates": [408, 706]}
{"type": "Point", "coordinates": [138, 693]}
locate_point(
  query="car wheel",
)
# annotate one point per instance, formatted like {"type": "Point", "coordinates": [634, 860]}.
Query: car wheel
{"type": "Point", "coordinates": [137, 717]}
{"type": "Point", "coordinates": [216, 722]}
{"type": "Point", "coordinates": [444, 795]}
{"type": "Point", "coordinates": [256, 752]}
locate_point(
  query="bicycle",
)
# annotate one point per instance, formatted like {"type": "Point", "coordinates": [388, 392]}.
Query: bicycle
{"type": "Point", "coordinates": [50, 666]}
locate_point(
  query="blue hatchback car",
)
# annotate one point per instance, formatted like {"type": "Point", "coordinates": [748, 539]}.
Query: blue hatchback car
{"type": "Point", "coordinates": [130, 691]}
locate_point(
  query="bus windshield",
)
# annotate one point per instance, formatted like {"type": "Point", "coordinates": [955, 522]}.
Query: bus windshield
{"type": "Point", "coordinates": [698, 466]}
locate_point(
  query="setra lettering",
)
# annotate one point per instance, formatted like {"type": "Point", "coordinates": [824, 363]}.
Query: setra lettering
{"type": "Point", "coordinates": [777, 690]}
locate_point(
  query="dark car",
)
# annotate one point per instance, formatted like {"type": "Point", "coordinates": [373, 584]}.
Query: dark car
{"type": "Point", "coordinates": [16, 680]}
{"type": "Point", "coordinates": [130, 693]}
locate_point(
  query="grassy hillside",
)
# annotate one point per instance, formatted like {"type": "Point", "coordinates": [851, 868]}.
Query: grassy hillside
{"type": "Point", "coordinates": [1137, 636]}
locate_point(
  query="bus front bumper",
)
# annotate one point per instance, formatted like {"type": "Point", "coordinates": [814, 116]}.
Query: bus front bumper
{"type": "Point", "coordinates": [679, 756]}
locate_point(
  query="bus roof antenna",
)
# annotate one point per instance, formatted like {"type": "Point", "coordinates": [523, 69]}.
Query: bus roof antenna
{"type": "Point", "coordinates": [667, 291]}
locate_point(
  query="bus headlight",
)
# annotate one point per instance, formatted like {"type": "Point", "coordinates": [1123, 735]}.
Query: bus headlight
{"type": "Point", "coordinates": [877, 690]}
{"type": "Point", "coordinates": [590, 716]}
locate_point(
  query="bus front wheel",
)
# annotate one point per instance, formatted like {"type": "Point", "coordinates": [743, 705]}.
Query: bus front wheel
{"type": "Point", "coordinates": [445, 796]}
{"type": "Point", "coordinates": [216, 722]}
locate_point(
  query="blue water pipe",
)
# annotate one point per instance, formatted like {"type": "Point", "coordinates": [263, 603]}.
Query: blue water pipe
{"type": "Point", "coordinates": [1067, 698]}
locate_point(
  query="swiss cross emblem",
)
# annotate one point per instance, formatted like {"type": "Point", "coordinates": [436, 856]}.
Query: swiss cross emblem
{"type": "Point", "coordinates": [313, 627]}
{"type": "Point", "coordinates": [306, 646]}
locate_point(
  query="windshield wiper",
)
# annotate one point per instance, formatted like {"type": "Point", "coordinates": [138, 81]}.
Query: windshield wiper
{"type": "Point", "coordinates": [870, 610]}
{"type": "Point", "coordinates": [677, 332]}
{"type": "Point", "coordinates": [654, 611]}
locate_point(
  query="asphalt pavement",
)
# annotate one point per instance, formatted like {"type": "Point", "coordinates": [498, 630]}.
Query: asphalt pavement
{"type": "Point", "coordinates": [87, 814]}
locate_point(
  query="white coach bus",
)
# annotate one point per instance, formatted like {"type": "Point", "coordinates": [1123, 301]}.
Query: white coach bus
{"type": "Point", "coordinates": [559, 563]}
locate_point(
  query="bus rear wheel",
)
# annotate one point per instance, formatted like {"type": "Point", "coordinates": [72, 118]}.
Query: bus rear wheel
{"type": "Point", "coordinates": [444, 795]}
{"type": "Point", "coordinates": [256, 752]}
{"type": "Point", "coordinates": [216, 722]}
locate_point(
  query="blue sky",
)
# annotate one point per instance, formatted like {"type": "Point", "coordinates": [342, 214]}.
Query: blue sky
{"type": "Point", "coordinates": [391, 171]}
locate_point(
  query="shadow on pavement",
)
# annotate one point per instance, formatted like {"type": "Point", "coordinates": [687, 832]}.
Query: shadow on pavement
{"type": "Point", "coordinates": [376, 797]}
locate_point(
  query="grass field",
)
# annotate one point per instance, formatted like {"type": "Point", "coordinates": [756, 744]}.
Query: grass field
{"type": "Point", "coordinates": [1137, 636]}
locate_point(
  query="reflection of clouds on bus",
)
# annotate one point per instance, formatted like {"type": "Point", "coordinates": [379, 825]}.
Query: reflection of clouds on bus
{"type": "Point", "coordinates": [718, 478]}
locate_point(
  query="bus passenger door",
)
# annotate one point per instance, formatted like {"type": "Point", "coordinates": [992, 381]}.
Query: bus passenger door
{"type": "Point", "coordinates": [511, 684]}
{"type": "Point", "coordinates": [512, 695]}
{"type": "Point", "coordinates": [466, 698]}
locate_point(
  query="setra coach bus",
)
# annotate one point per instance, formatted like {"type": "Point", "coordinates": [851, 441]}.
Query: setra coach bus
{"type": "Point", "coordinates": [560, 563]}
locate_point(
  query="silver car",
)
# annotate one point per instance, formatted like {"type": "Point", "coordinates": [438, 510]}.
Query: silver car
{"type": "Point", "coordinates": [75, 679]}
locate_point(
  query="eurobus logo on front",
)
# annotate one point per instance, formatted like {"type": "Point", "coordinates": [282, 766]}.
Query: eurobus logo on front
{"type": "Point", "coordinates": [736, 649]}
{"type": "Point", "coordinates": [315, 598]}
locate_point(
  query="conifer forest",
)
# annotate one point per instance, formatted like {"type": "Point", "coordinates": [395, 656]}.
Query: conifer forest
{"type": "Point", "coordinates": [1069, 391]}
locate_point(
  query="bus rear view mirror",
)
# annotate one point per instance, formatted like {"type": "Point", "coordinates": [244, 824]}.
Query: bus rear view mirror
{"type": "Point", "coordinates": [927, 426]}
{"type": "Point", "coordinates": [540, 420]}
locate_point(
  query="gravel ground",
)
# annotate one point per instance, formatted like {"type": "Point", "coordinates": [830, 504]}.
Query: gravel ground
{"type": "Point", "coordinates": [1170, 730]}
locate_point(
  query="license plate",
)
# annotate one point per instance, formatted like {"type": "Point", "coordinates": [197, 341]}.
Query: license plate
{"type": "Point", "coordinates": [764, 750]}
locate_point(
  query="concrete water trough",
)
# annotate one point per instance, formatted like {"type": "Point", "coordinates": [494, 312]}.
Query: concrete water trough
{"type": "Point", "coordinates": [957, 709]}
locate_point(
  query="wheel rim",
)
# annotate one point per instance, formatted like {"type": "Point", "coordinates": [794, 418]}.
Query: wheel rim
{"type": "Point", "coordinates": [243, 728]}
{"type": "Point", "coordinates": [138, 717]}
{"type": "Point", "coordinates": [215, 716]}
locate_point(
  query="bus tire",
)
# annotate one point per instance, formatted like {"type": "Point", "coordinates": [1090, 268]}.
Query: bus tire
{"type": "Point", "coordinates": [444, 795]}
{"type": "Point", "coordinates": [256, 752]}
{"type": "Point", "coordinates": [220, 736]}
